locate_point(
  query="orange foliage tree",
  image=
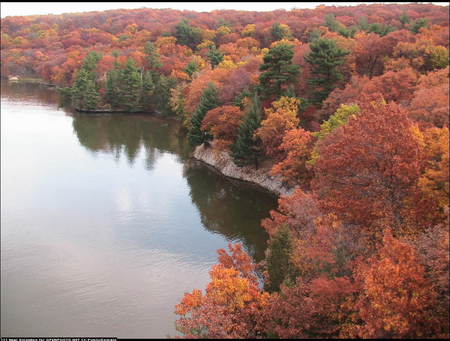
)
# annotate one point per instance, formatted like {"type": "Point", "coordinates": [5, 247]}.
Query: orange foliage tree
{"type": "Point", "coordinates": [397, 299]}
{"type": "Point", "coordinates": [223, 123]}
{"type": "Point", "coordinates": [231, 303]}
{"type": "Point", "coordinates": [282, 117]}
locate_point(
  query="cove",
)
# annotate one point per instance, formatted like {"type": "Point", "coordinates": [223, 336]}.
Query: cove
{"type": "Point", "coordinates": [106, 221]}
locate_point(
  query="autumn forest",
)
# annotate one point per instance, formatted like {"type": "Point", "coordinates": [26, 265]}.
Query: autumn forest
{"type": "Point", "coordinates": [348, 105]}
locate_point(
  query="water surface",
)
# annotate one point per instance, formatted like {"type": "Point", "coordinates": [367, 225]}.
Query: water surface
{"type": "Point", "coordinates": [105, 221]}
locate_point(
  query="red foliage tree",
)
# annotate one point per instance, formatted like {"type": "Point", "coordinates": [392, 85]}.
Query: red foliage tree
{"type": "Point", "coordinates": [369, 167]}
{"type": "Point", "coordinates": [223, 123]}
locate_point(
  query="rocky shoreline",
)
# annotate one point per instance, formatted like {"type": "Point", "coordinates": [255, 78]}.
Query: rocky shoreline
{"type": "Point", "coordinates": [223, 163]}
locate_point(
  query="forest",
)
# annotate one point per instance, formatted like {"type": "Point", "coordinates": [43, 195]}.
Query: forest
{"type": "Point", "coordinates": [348, 104]}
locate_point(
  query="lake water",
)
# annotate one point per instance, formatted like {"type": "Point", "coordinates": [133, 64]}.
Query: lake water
{"type": "Point", "coordinates": [106, 222]}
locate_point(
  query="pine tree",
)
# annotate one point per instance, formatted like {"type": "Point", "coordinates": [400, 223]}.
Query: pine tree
{"type": "Point", "coordinates": [148, 88]}
{"type": "Point", "coordinates": [161, 95]}
{"type": "Point", "coordinates": [279, 70]}
{"type": "Point", "coordinates": [246, 149]}
{"type": "Point", "coordinates": [152, 56]}
{"type": "Point", "coordinates": [214, 56]}
{"type": "Point", "coordinates": [325, 58]}
{"type": "Point", "coordinates": [279, 265]}
{"type": "Point", "coordinates": [85, 90]}
{"type": "Point", "coordinates": [130, 85]}
{"type": "Point", "coordinates": [112, 83]}
{"type": "Point", "coordinates": [208, 101]}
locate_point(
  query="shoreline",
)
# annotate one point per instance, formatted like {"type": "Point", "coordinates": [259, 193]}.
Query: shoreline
{"type": "Point", "coordinates": [223, 163]}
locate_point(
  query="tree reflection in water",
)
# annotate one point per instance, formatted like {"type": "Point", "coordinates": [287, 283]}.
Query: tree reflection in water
{"type": "Point", "coordinates": [230, 208]}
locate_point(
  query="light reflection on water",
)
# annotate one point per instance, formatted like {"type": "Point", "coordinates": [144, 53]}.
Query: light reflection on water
{"type": "Point", "coordinates": [106, 222]}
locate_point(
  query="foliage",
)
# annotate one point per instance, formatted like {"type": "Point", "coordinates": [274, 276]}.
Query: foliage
{"type": "Point", "coordinates": [222, 123]}
{"type": "Point", "coordinates": [369, 167]}
{"type": "Point", "coordinates": [188, 35]}
{"type": "Point", "coordinates": [215, 56]}
{"type": "Point", "coordinates": [279, 70]}
{"type": "Point", "coordinates": [338, 119]}
{"type": "Point", "coordinates": [279, 267]}
{"type": "Point", "coordinates": [325, 58]}
{"type": "Point", "coordinates": [282, 117]}
{"type": "Point", "coordinates": [397, 299]}
{"type": "Point", "coordinates": [208, 101]}
{"type": "Point", "coordinates": [246, 149]}
{"type": "Point", "coordinates": [297, 147]}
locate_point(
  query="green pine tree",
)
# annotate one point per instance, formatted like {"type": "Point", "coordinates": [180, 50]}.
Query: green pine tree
{"type": "Point", "coordinates": [148, 88]}
{"type": "Point", "coordinates": [279, 70]}
{"type": "Point", "coordinates": [188, 35]}
{"type": "Point", "coordinates": [208, 101]}
{"type": "Point", "coordinates": [214, 56]}
{"type": "Point", "coordinates": [152, 56]}
{"type": "Point", "coordinates": [279, 265]}
{"type": "Point", "coordinates": [112, 84]}
{"type": "Point", "coordinates": [246, 148]}
{"type": "Point", "coordinates": [192, 68]}
{"type": "Point", "coordinates": [325, 59]}
{"type": "Point", "coordinates": [161, 95]}
{"type": "Point", "coordinates": [85, 91]}
{"type": "Point", "coordinates": [130, 85]}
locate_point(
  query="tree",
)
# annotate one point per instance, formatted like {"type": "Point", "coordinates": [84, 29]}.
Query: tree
{"type": "Point", "coordinates": [223, 123]}
{"type": "Point", "coordinates": [130, 81]}
{"type": "Point", "coordinates": [215, 56]}
{"type": "Point", "coordinates": [338, 119]}
{"type": "Point", "coordinates": [84, 92]}
{"type": "Point", "coordinates": [161, 94]}
{"type": "Point", "coordinates": [279, 70]}
{"type": "Point", "coordinates": [279, 265]}
{"type": "Point", "coordinates": [246, 149]}
{"type": "Point", "coordinates": [325, 59]}
{"type": "Point", "coordinates": [279, 119]}
{"type": "Point", "coordinates": [434, 182]}
{"type": "Point", "coordinates": [296, 146]}
{"type": "Point", "coordinates": [280, 31]}
{"type": "Point", "coordinates": [208, 101]}
{"type": "Point", "coordinates": [153, 58]}
{"type": "Point", "coordinates": [188, 35]}
{"type": "Point", "coordinates": [369, 167]}
{"type": "Point", "coordinates": [418, 24]}
{"type": "Point", "coordinates": [148, 88]}
{"type": "Point", "coordinates": [397, 300]}
{"type": "Point", "coordinates": [231, 304]}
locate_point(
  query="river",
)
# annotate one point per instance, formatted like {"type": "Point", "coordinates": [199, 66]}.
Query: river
{"type": "Point", "coordinates": [106, 222]}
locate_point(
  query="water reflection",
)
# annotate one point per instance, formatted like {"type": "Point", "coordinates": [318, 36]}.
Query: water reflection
{"type": "Point", "coordinates": [126, 134]}
{"type": "Point", "coordinates": [106, 221]}
{"type": "Point", "coordinates": [233, 209]}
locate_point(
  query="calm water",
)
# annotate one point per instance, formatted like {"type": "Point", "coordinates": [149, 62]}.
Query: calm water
{"type": "Point", "coordinates": [105, 222]}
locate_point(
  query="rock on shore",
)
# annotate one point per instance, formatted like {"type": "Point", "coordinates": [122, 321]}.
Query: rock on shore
{"type": "Point", "coordinates": [223, 162]}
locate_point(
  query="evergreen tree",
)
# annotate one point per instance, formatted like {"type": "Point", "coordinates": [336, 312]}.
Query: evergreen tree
{"type": "Point", "coordinates": [192, 68]}
{"type": "Point", "coordinates": [214, 56]}
{"type": "Point", "coordinates": [404, 19]}
{"type": "Point", "coordinates": [379, 28]}
{"type": "Point", "coordinates": [85, 90]}
{"type": "Point", "coordinates": [279, 70]}
{"type": "Point", "coordinates": [325, 58]}
{"type": "Point", "coordinates": [208, 101]}
{"type": "Point", "coordinates": [279, 32]}
{"type": "Point", "coordinates": [188, 35]}
{"type": "Point", "coordinates": [130, 86]}
{"type": "Point", "coordinates": [148, 88]}
{"type": "Point", "coordinates": [152, 56]}
{"type": "Point", "coordinates": [279, 265]}
{"type": "Point", "coordinates": [112, 83]}
{"type": "Point", "coordinates": [418, 24]}
{"type": "Point", "coordinates": [246, 149]}
{"type": "Point", "coordinates": [161, 95]}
